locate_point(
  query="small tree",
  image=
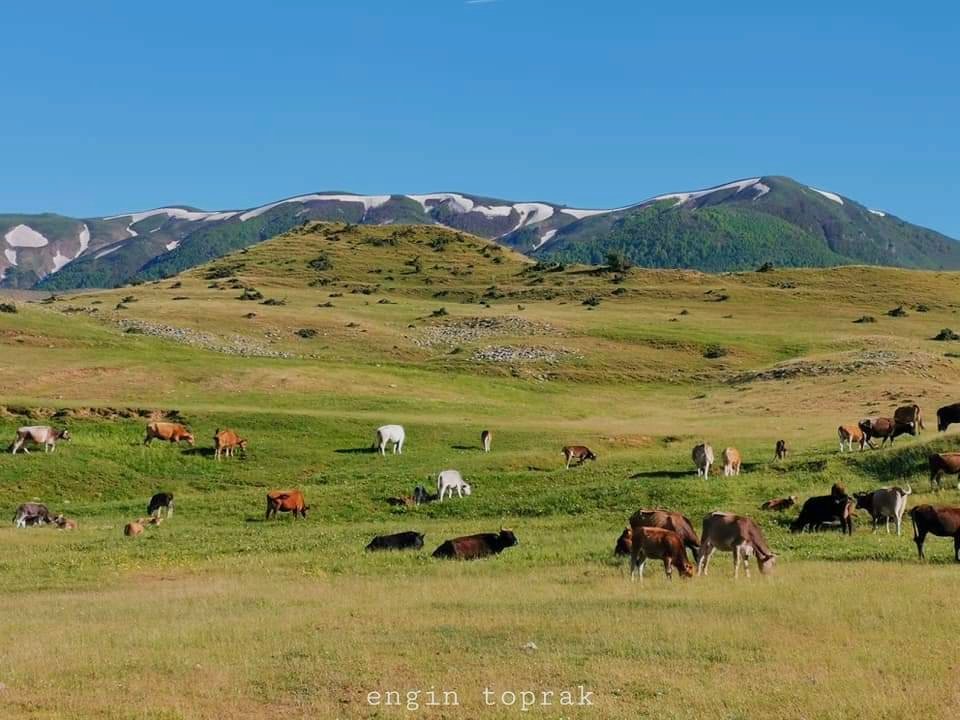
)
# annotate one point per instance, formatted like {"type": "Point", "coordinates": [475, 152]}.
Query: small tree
{"type": "Point", "coordinates": [618, 262]}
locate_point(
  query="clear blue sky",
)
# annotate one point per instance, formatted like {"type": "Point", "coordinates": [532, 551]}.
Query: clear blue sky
{"type": "Point", "coordinates": [117, 106]}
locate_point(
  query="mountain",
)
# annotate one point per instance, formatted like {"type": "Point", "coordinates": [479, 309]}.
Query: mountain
{"type": "Point", "coordinates": [732, 226]}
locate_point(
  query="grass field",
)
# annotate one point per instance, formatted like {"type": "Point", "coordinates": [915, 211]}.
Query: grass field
{"type": "Point", "coordinates": [218, 613]}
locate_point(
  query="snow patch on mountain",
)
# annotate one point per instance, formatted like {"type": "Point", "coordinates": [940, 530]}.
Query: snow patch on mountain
{"type": "Point", "coordinates": [878, 212]}
{"type": "Point", "coordinates": [761, 189]}
{"type": "Point", "coordinates": [84, 240]}
{"type": "Point", "coordinates": [685, 197]}
{"type": "Point", "coordinates": [59, 260]}
{"type": "Point", "coordinates": [369, 201]}
{"type": "Point", "coordinates": [24, 236]}
{"type": "Point", "coordinates": [104, 253]}
{"type": "Point", "coordinates": [581, 214]}
{"type": "Point", "coordinates": [11, 255]}
{"type": "Point", "coordinates": [829, 195]}
{"type": "Point", "coordinates": [544, 239]}
{"type": "Point", "coordinates": [172, 245]}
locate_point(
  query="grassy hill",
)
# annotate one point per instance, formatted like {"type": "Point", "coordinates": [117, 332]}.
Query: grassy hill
{"type": "Point", "coordinates": [350, 327]}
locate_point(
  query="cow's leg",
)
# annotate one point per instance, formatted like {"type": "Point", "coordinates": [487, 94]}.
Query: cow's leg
{"type": "Point", "coordinates": [460, 491]}
{"type": "Point", "coordinates": [668, 568]}
{"type": "Point", "coordinates": [17, 444]}
{"type": "Point", "coordinates": [736, 562]}
{"type": "Point", "coordinates": [706, 552]}
{"type": "Point", "coordinates": [919, 536]}
{"type": "Point", "coordinates": [956, 547]}
{"type": "Point", "coordinates": [637, 560]}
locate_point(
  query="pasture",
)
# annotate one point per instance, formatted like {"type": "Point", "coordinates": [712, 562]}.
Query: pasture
{"type": "Point", "coordinates": [218, 613]}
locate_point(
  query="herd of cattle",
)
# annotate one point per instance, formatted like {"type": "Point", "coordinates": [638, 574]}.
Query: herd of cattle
{"type": "Point", "coordinates": [651, 534]}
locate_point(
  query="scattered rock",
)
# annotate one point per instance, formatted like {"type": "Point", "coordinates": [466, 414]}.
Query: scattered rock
{"type": "Point", "coordinates": [466, 330]}
{"type": "Point", "coordinates": [236, 345]}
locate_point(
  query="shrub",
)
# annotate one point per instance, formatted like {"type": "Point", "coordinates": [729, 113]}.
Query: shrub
{"type": "Point", "coordinates": [866, 319]}
{"type": "Point", "coordinates": [439, 313]}
{"type": "Point", "coordinates": [250, 294]}
{"type": "Point", "coordinates": [712, 352]}
{"type": "Point", "coordinates": [273, 301]}
{"type": "Point", "coordinates": [591, 301]}
{"type": "Point", "coordinates": [766, 267]}
{"type": "Point", "coordinates": [618, 262]}
{"type": "Point", "coordinates": [321, 262]}
{"type": "Point", "coordinates": [946, 334]}
{"type": "Point", "coordinates": [897, 312]}
{"type": "Point", "coordinates": [306, 333]}
{"type": "Point", "coordinates": [8, 308]}
{"type": "Point", "coordinates": [923, 308]}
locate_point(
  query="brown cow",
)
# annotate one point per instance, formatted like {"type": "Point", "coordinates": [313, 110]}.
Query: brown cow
{"type": "Point", "coordinates": [943, 464]}
{"type": "Point", "coordinates": [659, 544]}
{"type": "Point", "coordinates": [739, 535]}
{"type": "Point", "coordinates": [780, 453]}
{"type": "Point", "coordinates": [168, 431]}
{"type": "Point", "coordinates": [909, 415]}
{"type": "Point", "coordinates": [624, 544]}
{"type": "Point", "coordinates": [132, 529]}
{"type": "Point", "coordinates": [779, 504]}
{"type": "Point", "coordinates": [290, 501]}
{"type": "Point", "coordinates": [731, 461]}
{"type": "Point", "coordinates": [672, 521]}
{"type": "Point", "coordinates": [226, 441]}
{"type": "Point", "coordinates": [936, 520]}
{"type": "Point", "coordinates": [850, 434]}
{"type": "Point", "coordinates": [472, 547]}
{"type": "Point", "coordinates": [580, 453]}
{"type": "Point", "coordinates": [885, 428]}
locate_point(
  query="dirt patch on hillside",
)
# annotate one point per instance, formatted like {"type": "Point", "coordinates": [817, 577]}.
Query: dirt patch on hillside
{"type": "Point", "coordinates": [864, 363]}
{"type": "Point", "coordinates": [103, 413]}
{"type": "Point", "coordinates": [466, 330]}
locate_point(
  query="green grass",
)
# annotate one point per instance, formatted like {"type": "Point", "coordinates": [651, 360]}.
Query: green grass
{"type": "Point", "coordinates": [218, 613]}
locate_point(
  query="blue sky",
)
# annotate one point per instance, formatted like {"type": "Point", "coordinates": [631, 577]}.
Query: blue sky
{"type": "Point", "coordinates": [117, 106]}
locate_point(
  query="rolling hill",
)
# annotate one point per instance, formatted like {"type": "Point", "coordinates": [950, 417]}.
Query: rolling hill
{"type": "Point", "coordinates": [728, 227]}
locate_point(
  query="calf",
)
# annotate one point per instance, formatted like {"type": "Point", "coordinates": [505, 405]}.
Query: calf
{"type": "Point", "coordinates": [943, 464]}
{"type": "Point", "coordinates": [659, 544]}
{"type": "Point", "coordinates": [64, 523]}
{"type": "Point", "coordinates": [161, 501]}
{"type": "Point", "coordinates": [38, 435]}
{"type": "Point", "coordinates": [672, 521]}
{"type": "Point", "coordinates": [910, 416]}
{"type": "Point", "coordinates": [226, 442]}
{"type": "Point", "coordinates": [780, 504]}
{"type": "Point", "coordinates": [486, 440]}
{"type": "Point", "coordinates": [624, 544]}
{"type": "Point", "coordinates": [390, 434]}
{"type": "Point", "coordinates": [31, 513]}
{"type": "Point", "coordinates": [739, 535]}
{"type": "Point", "coordinates": [132, 529]}
{"type": "Point", "coordinates": [936, 520]}
{"type": "Point", "coordinates": [450, 480]}
{"type": "Point", "coordinates": [731, 462]}
{"type": "Point", "coordinates": [780, 452]}
{"type": "Point", "coordinates": [472, 547]}
{"type": "Point", "coordinates": [884, 503]}
{"type": "Point", "coordinates": [822, 509]}
{"type": "Point", "coordinates": [850, 434]}
{"type": "Point", "coordinates": [947, 415]}
{"type": "Point", "coordinates": [885, 428]}
{"type": "Point", "coordinates": [398, 541]}
{"type": "Point", "coordinates": [290, 501]}
{"type": "Point", "coordinates": [580, 453]}
{"type": "Point", "coordinates": [168, 432]}
{"type": "Point", "coordinates": [703, 458]}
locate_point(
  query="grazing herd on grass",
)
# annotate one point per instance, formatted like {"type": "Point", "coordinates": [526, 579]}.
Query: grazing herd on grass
{"type": "Point", "coordinates": [652, 534]}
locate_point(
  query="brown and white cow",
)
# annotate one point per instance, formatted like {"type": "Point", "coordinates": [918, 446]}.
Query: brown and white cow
{"type": "Point", "coordinates": [132, 529]}
{"type": "Point", "coordinates": [779, 504]}
{"type": "Point", "coordinates": [225, 442]}
{"type": "Point", "coordinates": [851, 434]}
{"type": "Point", "coordinates": [64, 523]}
{"type": "Point", "coordinates": [780, 452]}
{"type": "Point", "coordinates": [731, 462]}
{"type": "Point", "coordinates": [659, 544]}
{"type": "Point", "coordinates": [884, 428]}
{"type": "Point", "coordinates": [739, 535]}
{"type": "Point", "coordinates": [884, 504]}
{"type": "Point", "coordinates": [473, 547]}
{"type": "Point", "coordinates": [909, 415]}
{"type": "Point", "coordinates": [169, 432]}
{"type": "Point", "coordinates": [941, 521]}
{"type": "Point", "coordinates": [580, 453]}
{"type": "Point", "coordinates": [486, 440]}
{"type": "Point", "coordinates": [669, 520]}
{"type": "Point", "coordinates": [38, 435]}
{"type": "Point", "coordinates": [291, 501]}
{"type": "Point", "coordinates": [943, 464]}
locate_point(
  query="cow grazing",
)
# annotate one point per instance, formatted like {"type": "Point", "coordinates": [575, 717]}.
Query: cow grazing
{"type": "Point", "coordinates": [884, 428]}
{"type": "Point", "coordinates": [290, 501]}
{"type": "Point", "coordinates": [486, 440]}
{"type": "Point", "coordinates": [132, 529]}
{"type": "Point", "coordinates": [389, 434]}
{"type": "Point", "coordinates": [669, 520]}
{"type": "Point", "coordinates": [580, 453]}
{"type": "Point", "coordinates": [31, 513]}
{"type": "Point", "coordinates": [472, 547]}
{"type": "Point", "coordinates": [168, 432]}
{"type": "Point", "coordinates": [943, 464]}
{"type": "Point", "coordinates": [450, 480]}
{"type": "Point", "coordinates": [941, 521]}
{"type": "Point", "coordinates": [884, 503]}
{"type": "Point", "coordinates": [226, 442]}
{"type": "Point", "coordinates": [947, 415]}
{"type": "Point", "coordinates": [780, 452]}
{"type": "Point", "coordinates": [160, 501]}
{"type": "Point", "coordinates": [624, 544]}
{"type": "Point", "coordinates": [822, 509]}
{"type": "Point", "coordinates": [780, 504]}
{"type": "Point", "coordinates": [398, 541]}
{"type": "Point", "coordinates": [911, 416]}
{"type": "Point", "coordinates": [64, 523]}
{"type": "Point", "coordinates": [731, 462]}
{"type": "Point", "coordinates": [851, 434]}
{"type": "Point", "coordinates": [38, 435]}
{"type": "Point", "coordinates": [739, 535]}
{"type": "Point", "coordinates": [703, 458]}
{"type": "Point", "coordinates": [659, 544]}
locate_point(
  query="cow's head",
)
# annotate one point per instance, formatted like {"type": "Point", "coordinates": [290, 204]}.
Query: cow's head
{"type": "Point", "coordinates": [942, 422]}
{"type": "Point", "coordinates": [467, 489]}
{"type": "Point", "coordinates": [304, 511]}
{"type": "Point", "coordinates": [189, 438]}
{"type": "Point", "coordinates": [591, 455]}
{"type": "Point", "coordinates": [242, 445]}
{"type": "Point", "coordinates": [766, 565]}
{"type": "Point", "coordinates": [507, 538]}
{"type": "Point", "coordinates": [865, 425]}
{"type": "Point", "coordinates": [63, 435]}
{"type": "Point", "coordinates": [863, 500]}
{"type": "Point", "coordinates": [685, 568]}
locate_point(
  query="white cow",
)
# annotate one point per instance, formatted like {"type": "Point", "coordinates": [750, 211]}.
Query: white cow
{"type": "Point", "coordinates": [450, 480]}
{"type": "Point", "coordinates": [703, 459]}
{"type": "Point", "coordinates": [390, 434]}
{"type": "Point", "coordinates": [38, 435]}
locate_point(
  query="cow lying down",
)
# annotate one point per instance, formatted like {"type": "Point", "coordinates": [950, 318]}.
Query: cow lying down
{"type": "Point", "coordinates": [398, 541]}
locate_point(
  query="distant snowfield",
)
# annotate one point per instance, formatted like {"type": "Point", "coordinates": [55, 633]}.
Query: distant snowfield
{"type": "Point", "coordinates": [59, 260]}
{"type": "Point", "coordinates": [829, 195]}
{"type": "Point", "coordinates": [11, 256]}
{"type": "Point", "coordinates": [877, 212]}
{"type": "Point", "coordinates": [24, 236]}
{"type": "Point", "coordinates": [544, 239]}
{"type": "Point", "coordinates": [369, 201]}
{"type": "Point", "coordinates": [685, 197]}
{"type": "Point", "coordinates": [172, 245]}
{"type": "Point", "coordinates": [104, 253]}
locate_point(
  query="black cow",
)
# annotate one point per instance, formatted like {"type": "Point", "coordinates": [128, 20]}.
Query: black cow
{"type": "Point", "coordinates": [822, 509]}
{"type": "Point", "coordinates": [398, 541]}
{"type": "Point", "coordinates": [947, 415]}
{"type": "Point", "coordinates": [161, 501]}
{"type": "Point", "coordinates": [471, 547]}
